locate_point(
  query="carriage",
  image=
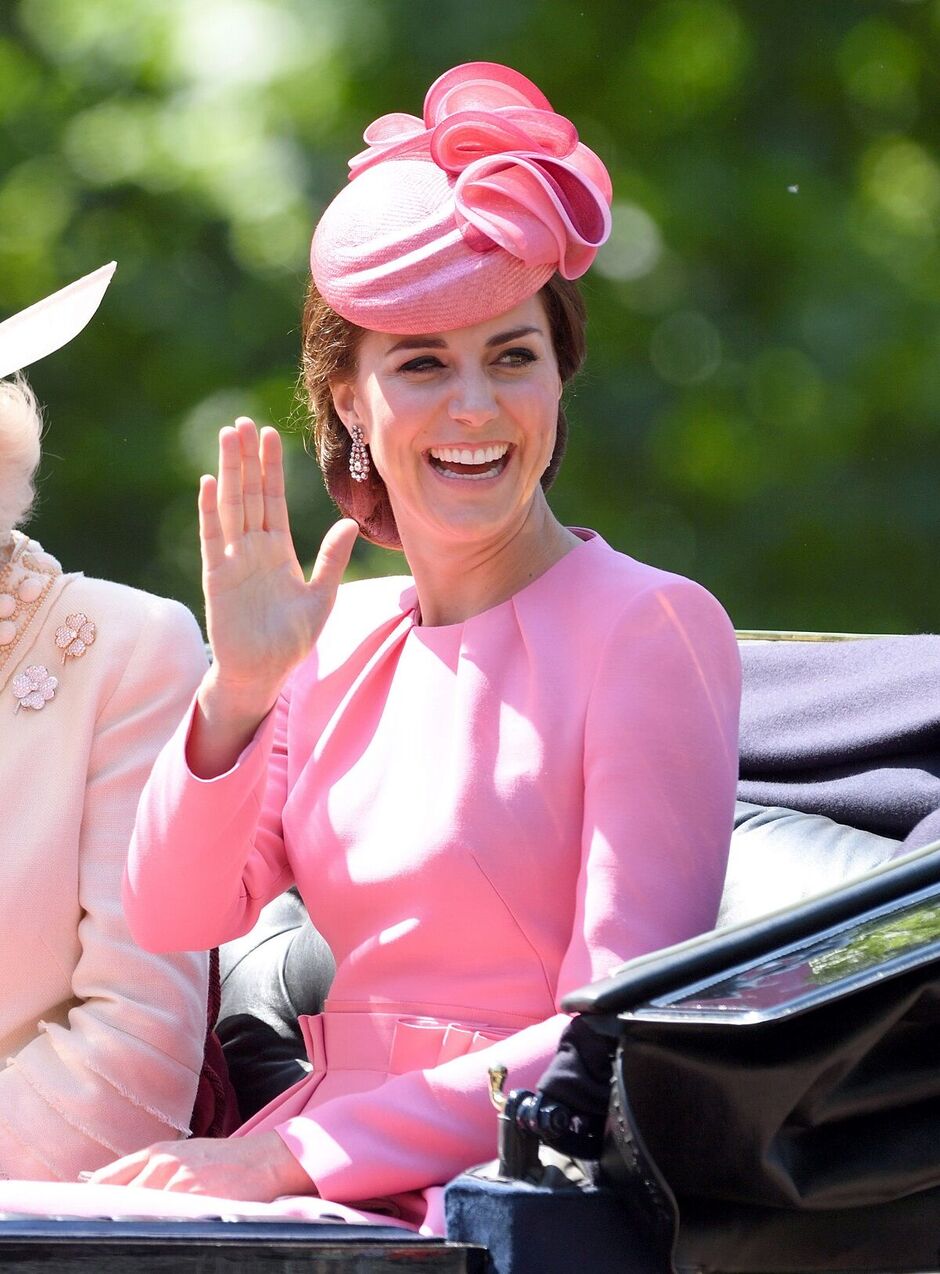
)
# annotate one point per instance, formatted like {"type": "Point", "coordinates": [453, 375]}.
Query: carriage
{"type": "Point", "coordinates": [773, 1098]}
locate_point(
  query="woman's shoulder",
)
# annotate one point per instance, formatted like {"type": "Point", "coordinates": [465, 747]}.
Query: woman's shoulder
{"type": "Point", "coordinates": [370, 603]}
{"type": "Point", "coordinates": [128, 608]}
{"type": "Point", "coordinates": [631, 613]}
{"type": "Point", "coordinates": [132, 626]}
{"type": "Point", "coordinates": [364, 612]}
{"type": "Point", "coordinates": [616, 586]}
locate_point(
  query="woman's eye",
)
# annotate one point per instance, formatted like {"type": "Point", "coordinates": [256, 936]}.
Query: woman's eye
{"type": "Point", "coordinates": [517, 357]}
{"type": "Point", "coordinates": [426, 363]}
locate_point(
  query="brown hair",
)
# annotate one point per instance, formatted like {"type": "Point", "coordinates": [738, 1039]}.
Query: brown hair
{"type": "Point", "coordinates": [329, 351]}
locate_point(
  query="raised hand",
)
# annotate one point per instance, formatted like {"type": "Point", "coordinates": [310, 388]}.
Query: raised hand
{"type": "Point", "coordinates": [262, 615]}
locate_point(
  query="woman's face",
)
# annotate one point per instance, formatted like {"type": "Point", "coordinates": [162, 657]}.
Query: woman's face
{"type": "Point", "coordinates": [461, 424]}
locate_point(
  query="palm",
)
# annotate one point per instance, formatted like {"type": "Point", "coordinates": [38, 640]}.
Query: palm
{"type": "Point", "coordinates": [262, 615]}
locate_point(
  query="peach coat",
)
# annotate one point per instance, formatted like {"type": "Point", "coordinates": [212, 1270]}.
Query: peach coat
{"type": "Point", "coordinates": [102, 1042]}
{"type": "Point", "coordinates": [480, 818]}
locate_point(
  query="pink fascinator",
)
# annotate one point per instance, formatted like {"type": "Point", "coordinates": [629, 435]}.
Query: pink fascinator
{"type": "Point", "coordinates": [53, 322]}
{"type": "Point", "coordinates": [455, 218]}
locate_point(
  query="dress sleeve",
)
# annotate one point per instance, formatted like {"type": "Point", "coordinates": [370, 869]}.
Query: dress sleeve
{"type": "Point", "coordinates": [660, 773]}
{"type": "Point", "coordinates": [121, 1071]}
{"type": "Point", "coordinates": [207, 854]}
{"type": "Point", "coordinates": [660, 767]}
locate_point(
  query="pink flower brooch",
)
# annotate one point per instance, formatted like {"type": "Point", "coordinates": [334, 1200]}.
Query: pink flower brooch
{"type": "Point", "coordinates": [34, 687]}
{"type": "Point", "coordinates": [75, 636]}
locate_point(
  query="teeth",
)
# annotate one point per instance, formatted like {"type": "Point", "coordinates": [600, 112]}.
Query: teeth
{"type": "Point", "coordinates": [463, 455]}
{"type": "Point", "coordinates": [469, 477]}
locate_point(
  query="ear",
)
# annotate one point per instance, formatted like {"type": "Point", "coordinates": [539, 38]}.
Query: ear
{"type": "Point", "coordinates": [344, 401]}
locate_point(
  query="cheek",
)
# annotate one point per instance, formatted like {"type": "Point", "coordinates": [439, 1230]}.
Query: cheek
{"type": "Point", "coordinates": [397, 412]}
{"type": "Point", "coordinates": [543, 419]}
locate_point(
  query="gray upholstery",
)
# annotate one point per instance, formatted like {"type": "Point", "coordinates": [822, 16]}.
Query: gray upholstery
{"type": "Point", "coordinates": [278, 972]}
{"type": "Point", "coordinates": [779, 857]}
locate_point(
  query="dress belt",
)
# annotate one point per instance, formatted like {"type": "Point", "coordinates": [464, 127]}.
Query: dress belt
{"type": "Point", "coordinates": [390, 1042]}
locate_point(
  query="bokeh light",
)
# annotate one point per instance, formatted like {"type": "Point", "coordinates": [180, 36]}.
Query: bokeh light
{"type": "Point", "coordinates": [761, 404]}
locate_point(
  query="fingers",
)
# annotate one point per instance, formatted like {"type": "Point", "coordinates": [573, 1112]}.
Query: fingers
{"type": "Point", "coordinates": [272, 469]}
{"type": "Point", "coordinates": [230, 503]}
{"type": "Point", "coordinates": [123, 1171]}
{"type": "Point", "coordinates": [211, 539]}
{"type": "Point", "coordinates": [334, 554]}
{"type": "Point", "coordinates": [250, 488]}
{"type": "Point", "coordinates": [159, 1167]}
{"type": "Point", "coordinates": [252, 496]}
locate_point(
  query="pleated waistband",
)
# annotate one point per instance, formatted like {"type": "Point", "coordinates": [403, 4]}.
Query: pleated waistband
{"type": "Point", "coordinates": [392, 1043]}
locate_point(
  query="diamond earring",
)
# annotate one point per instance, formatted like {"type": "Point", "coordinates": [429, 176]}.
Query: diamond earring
{"type": "Point", "coordinates": [359, 462]}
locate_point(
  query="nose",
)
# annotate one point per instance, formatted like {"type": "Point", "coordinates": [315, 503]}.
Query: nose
{"type": "Point", "coordinates": [473, 402]}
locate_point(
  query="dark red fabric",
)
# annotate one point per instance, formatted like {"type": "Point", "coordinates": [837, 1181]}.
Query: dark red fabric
{"type": "Point", "coordinates": [215, 1112]}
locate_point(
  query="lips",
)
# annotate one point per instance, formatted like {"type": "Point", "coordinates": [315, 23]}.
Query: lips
{"type": "Point", "coordinates": [469, 462]}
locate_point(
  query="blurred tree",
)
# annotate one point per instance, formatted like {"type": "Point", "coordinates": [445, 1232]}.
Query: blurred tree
{"type": "Point", "coordinates": [761, 404]}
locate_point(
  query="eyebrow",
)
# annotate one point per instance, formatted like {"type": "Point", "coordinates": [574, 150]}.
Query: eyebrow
{"type": "Point", "coordinates": [436, 342]}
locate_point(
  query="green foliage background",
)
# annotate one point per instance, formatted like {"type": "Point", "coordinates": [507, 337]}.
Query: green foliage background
{"type": "Point", "coordinates": [761, 404]}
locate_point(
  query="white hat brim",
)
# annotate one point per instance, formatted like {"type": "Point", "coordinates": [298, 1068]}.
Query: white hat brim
{"type": "Point", "coordinates": [52, 322]}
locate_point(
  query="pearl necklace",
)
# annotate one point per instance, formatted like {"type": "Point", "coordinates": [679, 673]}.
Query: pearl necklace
{"type": "Point", "coordinates": [24, 582]}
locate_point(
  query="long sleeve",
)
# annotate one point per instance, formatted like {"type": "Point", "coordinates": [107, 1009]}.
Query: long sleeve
{"type": "Point", "coordinates": [206, 855]}
{"type": "Point", "coordinates": [117, 1069]}
{"type": "Point", "coordinates": [660, 766]}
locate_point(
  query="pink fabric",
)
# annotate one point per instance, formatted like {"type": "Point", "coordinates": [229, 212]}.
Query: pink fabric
{"type": "Point", "coordinates": [72, 1199]}
{"type": "Point", "coordinates": [480, 818]}
{"type": "Point", "coordinates": [457, 217]}
{"type": "Point", "coordinates": [100, 1043]}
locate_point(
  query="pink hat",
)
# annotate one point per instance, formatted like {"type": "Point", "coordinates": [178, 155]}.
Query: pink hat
{"type": "Point", "coordinates": [455, 218]}
{"type": "Point", "coordinates": [52, 322]}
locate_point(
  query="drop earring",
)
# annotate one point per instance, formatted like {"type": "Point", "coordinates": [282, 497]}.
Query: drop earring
{"type": "Point", "coordinates": [359, 462]}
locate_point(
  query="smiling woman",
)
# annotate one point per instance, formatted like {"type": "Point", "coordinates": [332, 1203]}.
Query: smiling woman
{"type": "Point", "coordinates": [492, 781]}
{"type": "Point", "coordinates": [330, 352]}
{"type": "Point", "coordinates": [430, 408]}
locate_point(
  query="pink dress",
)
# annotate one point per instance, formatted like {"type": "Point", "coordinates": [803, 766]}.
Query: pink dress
{"type": "Point", "coordinates": [480, 817]}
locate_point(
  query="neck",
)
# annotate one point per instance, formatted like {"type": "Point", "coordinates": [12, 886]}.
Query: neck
{"type": "Point", "coordinates": [463, 580]}
{"type": "Point", "coordinates": [7, 543]}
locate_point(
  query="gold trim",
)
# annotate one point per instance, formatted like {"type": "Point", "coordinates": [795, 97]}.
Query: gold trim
{"type": "Point", "coordinates": [780, 634]}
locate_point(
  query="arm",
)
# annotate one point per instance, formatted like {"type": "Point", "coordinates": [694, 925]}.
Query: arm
{"type": "Point", "coordinates": [660, 767]}
{"type": "Point", "coordinates": [206, 855]}
{"type": "Point", "coordinates": [208, 852]}
{"type": "Point", "coordinates": [123, 1069]}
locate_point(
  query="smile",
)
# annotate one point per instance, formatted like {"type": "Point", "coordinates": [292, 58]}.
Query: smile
{"type": "Point", "coordinates": [471, 463]}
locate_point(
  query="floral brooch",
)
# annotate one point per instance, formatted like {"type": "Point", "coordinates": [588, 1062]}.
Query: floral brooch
{"type": "Point", "coordinates": [75, 636]}
{"type": "Point", "coordinates": [34, 687]}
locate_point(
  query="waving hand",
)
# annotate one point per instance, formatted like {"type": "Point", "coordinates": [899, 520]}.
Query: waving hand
{"type": "Point", "coordinates": [262, 615]}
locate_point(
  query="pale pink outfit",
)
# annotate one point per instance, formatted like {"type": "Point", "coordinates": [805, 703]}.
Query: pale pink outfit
{"type": "Point", "coordinates": [480, 817]}
{"type": "Point", "coordinates": [101, 1043]}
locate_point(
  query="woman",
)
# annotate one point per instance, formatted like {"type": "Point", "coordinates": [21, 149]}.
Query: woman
{"type": "Point", "coordinates": [491, 782]}
{"type": "Point", "coordinates": [102, 1041]}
